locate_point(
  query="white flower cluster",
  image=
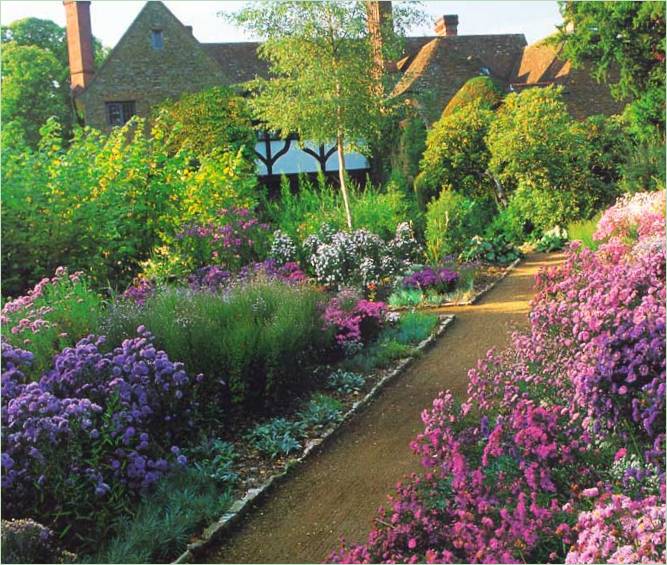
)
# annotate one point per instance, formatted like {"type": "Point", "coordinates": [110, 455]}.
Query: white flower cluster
{"type": "Point", "coordinates": [360, 257]}
{"type": "Point", "coordinates": [404, 247]}
{"type": "Point", "coordinates": [283, 249]}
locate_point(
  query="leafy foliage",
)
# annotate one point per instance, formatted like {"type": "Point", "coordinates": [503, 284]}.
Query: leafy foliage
{"type": "Point", "coordinates": [490, 250]}
{"type": "Point", "coordinates": [277, 437]}
{"type": "Point", "coordinates": [105, 202]}
{"type": "Point", "coordinates": [539, 152]}
{"type": "Point", "coordinates": [216, 119]}
{"type": "Point", "coordinates": [481, 89]}
{"type": "Point", "coordinates": [451, 221]}
{"type": "Point", "coordinates": [36, 78]}
{"type": "Point", "coordinates": [625, 43]}
{"type": "Point", "coordinates": [321, 411]}
{"type": "Point", "coordinates": [346, 382]}
{"type": "Point", "coordinates": [456, 154]}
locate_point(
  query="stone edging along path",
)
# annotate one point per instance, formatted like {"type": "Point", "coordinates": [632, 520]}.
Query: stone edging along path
{"type": "Point", "coordinates": [241, 506]}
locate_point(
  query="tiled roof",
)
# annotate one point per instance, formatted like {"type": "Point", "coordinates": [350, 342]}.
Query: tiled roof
{"type": "Point", "coordinates": [540, 65]}
{"type": "Point", "coordinates": [441, 65]}
{"type": "Point", "coordinates": [239, 61]}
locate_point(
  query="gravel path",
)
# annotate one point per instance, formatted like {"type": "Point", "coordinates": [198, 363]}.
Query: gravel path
{"type": "Point", "coordinates": [339, 489]}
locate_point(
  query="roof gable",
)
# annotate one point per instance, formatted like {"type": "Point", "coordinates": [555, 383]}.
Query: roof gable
{"type": "Point", "coordinates": [133, 64]}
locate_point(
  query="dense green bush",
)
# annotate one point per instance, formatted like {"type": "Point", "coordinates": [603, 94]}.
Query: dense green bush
{"type": "Point", "coordinates": [482, 89]}
{"type": "Point", "coordinates": [411, 146]}
{"type": "Point", "coordinates": [456, 155]}
{"type": "Point", "coordinates": [539, 152]}
{"type": "Point", "coordinates": [102, 204]}
{"type": "Point", "coordinates": [496, 250]}
{"type": "Point", "coordinates": [451, 220]}
{"type": "Point", "coordinates": [259, 338]}
{"type": "Point", "coordinates": [216, 119]}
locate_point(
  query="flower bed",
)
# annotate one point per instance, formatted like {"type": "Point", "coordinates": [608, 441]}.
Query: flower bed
{"type": "Point", "coordinates": [98, 428]}
{"type": "Point", "coordinates": [557, 454]}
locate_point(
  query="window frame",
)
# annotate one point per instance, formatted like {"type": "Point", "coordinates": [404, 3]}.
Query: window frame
{"type": "Point", "coordinates": [157, 39]}
{"type": "Point", "coordinates": [126, 109]}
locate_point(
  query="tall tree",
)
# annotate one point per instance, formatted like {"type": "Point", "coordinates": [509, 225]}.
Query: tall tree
{"type": "Point", "coordinates": [33, 92]}
{"type": "Point", "coordinates": [625, 44]}
{"type": "Point", "coordinates": [324, 84]}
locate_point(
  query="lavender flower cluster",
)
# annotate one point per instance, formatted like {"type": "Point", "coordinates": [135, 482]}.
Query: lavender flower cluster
{"type": "Point", "coordinates": [95, 423]}
{"type": "Point", "coordinates": [439, 279]}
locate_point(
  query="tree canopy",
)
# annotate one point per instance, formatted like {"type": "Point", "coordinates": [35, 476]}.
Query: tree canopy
{"type": "Point", "coordinates": [324, 85]}
{"type": "Point", "coordinates": [35, 77]}
{"type": "Point", "coordinates": [625, 44]}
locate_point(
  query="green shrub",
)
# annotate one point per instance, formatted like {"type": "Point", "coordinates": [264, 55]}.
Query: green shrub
{"type": "Point", "coordinates": [103, 203]}
{"type": "Point", "coordinates": [583, 231]}
{"type": "Point", "coordinates": [451, 221]}
{"type": "Point", "coordinates": [277, 437]}
{"type": "Point", "coordinates": [301, 214]}
{"type": "Point", "coordinates": [215, 459]}
{"type": "Point", "coordinates": [497, 250]}
{"type": "Point", "coordinates": [345, 381]}
{"type": "Point", "coordinates": [541, 156]}
{"type": "Point", "coordinates": [411, 146]}
{"type": "Point", "coordinates": [456, 155]}
{"type": "Point", "coordinates": [482, 89]}
{"type": "Point", "coordinates": [165, 521]}
{"type": "Point", "coordinates": [553, 240]}
{"type": "Point", "coordinates": [406, 297]}
{"type": "Point", "coordinates": [643, 168]}
{"type": "Point", "coordinates": [64, 311]}
{"type": "Point", "coordinates": [211, 120]}
{"type": "Point", "coordinates": [259, 338]}
{"type": "Point", "coordinates": [510, 224]}
{"type": "Point", "coordinates": [321, 411]}
{"type": "Point", "coordinates": [414, 327]}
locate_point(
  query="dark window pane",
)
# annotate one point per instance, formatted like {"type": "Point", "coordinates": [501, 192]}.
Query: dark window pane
{"type": "Point", "coordinates": [118, 113]}
{"type": "Point", "coordinates": [157, 41]}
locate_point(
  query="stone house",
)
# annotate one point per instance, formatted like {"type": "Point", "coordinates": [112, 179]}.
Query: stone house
{"type": "Point", "coordinates": [158, 57]}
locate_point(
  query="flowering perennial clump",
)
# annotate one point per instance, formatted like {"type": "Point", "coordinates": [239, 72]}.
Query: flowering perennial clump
{"type": "Point", "coordinates": [359, 258]}
{"type": "Point", "coordinates": [96, 425]}
{"type": "Point", "coordinates": [557, 454]}
{"type": "Point", "coordinates": [354, 320]}
{"type": "Point", "coordinates": [428, 278]}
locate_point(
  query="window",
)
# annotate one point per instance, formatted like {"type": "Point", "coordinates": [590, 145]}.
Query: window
{"type": "Point", "coordinates": [157, 41]}
{"type": "Point", "coordinates": [118, 113]}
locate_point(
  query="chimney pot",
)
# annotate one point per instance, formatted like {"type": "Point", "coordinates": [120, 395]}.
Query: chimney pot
{"type": "Point", "coordinates": [447, 25]}
{"type": "Point", "coordinates": [189, 29]}
{"type": "Point", "coordinates": [79, 43]}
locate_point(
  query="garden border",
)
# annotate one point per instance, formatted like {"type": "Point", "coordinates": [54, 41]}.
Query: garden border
{"type": "Point", "coordinates": [242, 505]}
{"type": "Point", "coordinates": [469, 302]}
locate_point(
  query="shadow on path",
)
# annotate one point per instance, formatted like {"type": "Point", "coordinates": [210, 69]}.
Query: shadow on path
{"type": "Point", "coordinates": [338, 490]}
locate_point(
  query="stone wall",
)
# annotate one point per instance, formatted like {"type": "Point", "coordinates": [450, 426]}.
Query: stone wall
{"type": "Point", "coordinates": [138, 72]}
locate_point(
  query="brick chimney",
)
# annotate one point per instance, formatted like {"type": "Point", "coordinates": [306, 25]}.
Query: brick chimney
{"type": "Point", "coordinates": [79, 43]}
{"type": "Point", "coordinates": [446, 26]}
{"type": "Point", "coordinates": [380, 23]}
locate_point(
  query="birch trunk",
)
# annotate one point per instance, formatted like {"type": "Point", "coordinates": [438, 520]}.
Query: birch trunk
{"type": "Point", "coordinates": [341, 176]}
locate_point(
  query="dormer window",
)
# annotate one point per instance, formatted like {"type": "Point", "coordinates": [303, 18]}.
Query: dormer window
{"type": "Point", "coordinates": [157, 41]}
